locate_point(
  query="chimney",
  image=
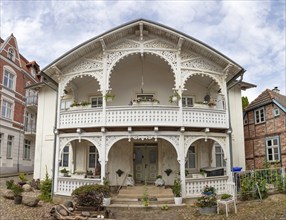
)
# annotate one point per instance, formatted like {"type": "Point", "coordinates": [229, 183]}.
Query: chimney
{"type": "Point", "coordinates": [276, 89]}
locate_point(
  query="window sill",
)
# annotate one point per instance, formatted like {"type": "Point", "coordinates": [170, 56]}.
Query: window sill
{"type": "Point", "coordinates": [9, 158]}
{"type": "Point", "coordinates": [258, 123]}
{"type": "Point", "coordinates": [26, 159]}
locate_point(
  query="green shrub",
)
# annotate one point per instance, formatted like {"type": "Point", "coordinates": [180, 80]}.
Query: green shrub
{"type": "Point", "coordinates": [22, 177]}
{"type": "Point", "coordinates": [9, 183]}
{"type": "Point", "coordinates": [46, 189]}
{"type": "Point", "coordinates": [225, 196]}
{"type": "Point", "coordinates": [17, 189]}
{"type": "Point", "coordinates": [90, 195]}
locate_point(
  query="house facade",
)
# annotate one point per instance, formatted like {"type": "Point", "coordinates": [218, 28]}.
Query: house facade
{"type": "Point", "coordinates": [142, 99]}
{"type": "Point", "coordinates": [265, 130]}
{"type": "Point", "coordinates": [18, 109]}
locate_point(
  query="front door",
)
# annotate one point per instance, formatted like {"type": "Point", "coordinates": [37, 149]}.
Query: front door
{"type": "Point", "coordinates": [145, 163]}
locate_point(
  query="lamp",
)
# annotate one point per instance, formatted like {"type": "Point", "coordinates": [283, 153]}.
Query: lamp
{"type": "Point", "coordinates": [207, 130]}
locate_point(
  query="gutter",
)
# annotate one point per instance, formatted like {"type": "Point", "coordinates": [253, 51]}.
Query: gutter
{"type": "Point", "coordinates": [239, 74]}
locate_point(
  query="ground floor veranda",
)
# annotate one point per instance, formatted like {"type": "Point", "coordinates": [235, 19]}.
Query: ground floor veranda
{"type": "Point", "coordinates": [91, 157]}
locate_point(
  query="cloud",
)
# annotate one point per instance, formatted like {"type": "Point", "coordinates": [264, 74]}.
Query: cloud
{"type": "Point", "coordinates": [249, 32]}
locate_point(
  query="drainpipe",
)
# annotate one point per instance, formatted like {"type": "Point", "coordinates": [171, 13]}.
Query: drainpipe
{"type": "Point", "coordinates": [55, 126]}
{"type": "Point", "coordinates": [239, 74]}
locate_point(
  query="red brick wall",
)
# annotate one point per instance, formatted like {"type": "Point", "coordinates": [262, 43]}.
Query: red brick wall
{"type": "Point", "coordinates": [256, 134]}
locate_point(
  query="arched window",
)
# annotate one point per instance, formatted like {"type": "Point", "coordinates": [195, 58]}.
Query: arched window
{"type": "Point", "coordinates": [11, 54]}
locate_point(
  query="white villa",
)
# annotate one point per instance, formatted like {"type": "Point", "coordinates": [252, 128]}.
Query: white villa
{"type": "Point", "coordinates": [142, 99]}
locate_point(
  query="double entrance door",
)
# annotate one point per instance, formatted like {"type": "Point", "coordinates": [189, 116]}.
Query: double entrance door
{"type": "Point", "coordinates": [145, 162]}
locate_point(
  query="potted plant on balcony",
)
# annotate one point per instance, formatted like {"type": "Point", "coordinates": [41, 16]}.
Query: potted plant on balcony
{"type": "Point", "coordinates": [177, 191]}
{"type": "Point", "coordinates": [65, 172]}
{"type": "Point", "coordinates": [175, 97]}
{"type": "Point", "coordinates": [109, 97]}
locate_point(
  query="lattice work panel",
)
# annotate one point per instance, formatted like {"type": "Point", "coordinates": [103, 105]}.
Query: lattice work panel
{"type": "Point", "coordinates": [67, 186]}
{"type": "Point", "coordinates": [74, 119]}
{"type": "Point", "coordinates": [194, 187]}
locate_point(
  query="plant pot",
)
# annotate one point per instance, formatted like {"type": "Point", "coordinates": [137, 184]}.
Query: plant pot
{"type": "Point", "coordinates": [18, 199]}
{"type": "Point", "coordinates": [178, 200]}
{"type": "Point", "coordinates": [208, 210]}
{"type": "Point", "coordinates": [106, 201]}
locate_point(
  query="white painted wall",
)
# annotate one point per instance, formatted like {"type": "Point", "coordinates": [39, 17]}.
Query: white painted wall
{"type": "Point", "coordinates": [45, 135]}
{"type": "Point", "coordinates": [238, 152]}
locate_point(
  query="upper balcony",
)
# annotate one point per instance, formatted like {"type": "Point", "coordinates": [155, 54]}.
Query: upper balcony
{"type": "Point", "coordinates": [30, 129]}
{"type": "Point", "coordinates": [32, 102]}
{"type": "Point", "coordinates": [144, 96]}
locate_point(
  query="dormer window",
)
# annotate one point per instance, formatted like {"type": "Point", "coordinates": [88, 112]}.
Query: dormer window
{"type": "Point", "coordinates": [33, 71]}
{"type": "Point", "coordinates": [11, 54]}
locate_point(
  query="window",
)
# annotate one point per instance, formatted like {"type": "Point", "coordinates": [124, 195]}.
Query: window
{"type": "Point", "coordinates": [65, 157]}
{"type": "Point", "coordinates": [8, 79]}
{"type": "Point", "coordinates": [9, 146]}
{"type": "Point", "coordinates": [33, 71]}
{"type": "Point", "coordinates": [276, 112]}
{"type": "Point", "coordinates": [245, 120]}
{"type": "Point", "coordinates": [65, 104]}
{"type": "Point", "coordinates": [219, 156]}
{"type": "Point", "coordinates": [7, 109]}
{"type": "Point", "coordinates": [92, 157]}
{"type": "Point", "coordinates": [259, 115]}
{"type": "Point", "coordinates": [11, 54]}
{"type": "Point", "coordinates": [145, 97]}
{"type": "Point", "coordinates": [188, 101]}
{"type": "Point", "coordinates": [272, 149]}
{"type": "Point", "coordinates": [96, 101]}
{"type": "Point", "coordinates": [27, 149]}
{"type": "Point", "coordinates": [191, 158]}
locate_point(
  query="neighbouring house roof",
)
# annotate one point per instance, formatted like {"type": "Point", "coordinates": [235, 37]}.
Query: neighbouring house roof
{"type": "Point", "coordinates": [267, 97]}
{"type": "Point", "coordinates": [151, 27]}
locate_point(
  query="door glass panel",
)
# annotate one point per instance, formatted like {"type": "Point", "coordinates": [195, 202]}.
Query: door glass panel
{"type": "Point", "coordinates": [153, 156]}
{"type": "Point", "coordinates": [138, 156]}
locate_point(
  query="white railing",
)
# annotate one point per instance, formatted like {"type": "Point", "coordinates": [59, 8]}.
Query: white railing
{"type": "Point", "coordinates": [66, 185]}
{"type": "Point", "coordinates": [198, 117]}
{"type": "Point", "coordinates": [143, 116]}
{"type": "Point", "coordinates": [194, 187]}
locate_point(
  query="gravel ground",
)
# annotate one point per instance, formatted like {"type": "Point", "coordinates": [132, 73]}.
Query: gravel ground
{"type": "Point", "coordinates": [274, 208]}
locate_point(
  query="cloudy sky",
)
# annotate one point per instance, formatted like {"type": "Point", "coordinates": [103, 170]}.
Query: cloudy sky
{"type": "Point", "coordinates": [252, 33]}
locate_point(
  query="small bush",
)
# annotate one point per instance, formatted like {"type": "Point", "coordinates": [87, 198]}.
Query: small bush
{"type": "Point", "coordinates": [9, 184]}
{"type": "Point", "coordinates": [90, 195]}
{"type": "Point", "coordinates": [46, 189]}
{"type": "Point", "coordinates": [22, 177]}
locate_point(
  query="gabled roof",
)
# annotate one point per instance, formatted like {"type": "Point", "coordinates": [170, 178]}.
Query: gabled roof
{"type": "Point", "coordinates": [267, 97]}
{"type": "Point", "coordinates": [151, 27]}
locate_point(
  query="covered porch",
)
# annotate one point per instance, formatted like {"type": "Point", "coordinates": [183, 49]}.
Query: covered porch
{"type": "Point", "coordinates": [144, 157]}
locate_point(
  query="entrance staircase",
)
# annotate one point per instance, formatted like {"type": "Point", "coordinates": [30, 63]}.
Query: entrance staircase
{"type": "Point", "coordinates": [132, 196]}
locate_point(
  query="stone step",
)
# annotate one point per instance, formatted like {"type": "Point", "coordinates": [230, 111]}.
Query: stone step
{"type": "Point", "coordinates": [135, 201]}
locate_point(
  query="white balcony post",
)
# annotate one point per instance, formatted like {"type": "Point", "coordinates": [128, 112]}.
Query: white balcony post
{"type": "Point", "coordinates": [103, 156]}
{"type": "Point", "coordinates": [56, 171]}
{"type": "Point", "coordinates": [182, 164]}
{"type": "Point", "coordinates": [227, 155]}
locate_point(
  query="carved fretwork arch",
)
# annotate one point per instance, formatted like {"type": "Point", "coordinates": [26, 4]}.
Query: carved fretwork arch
{"type": "Point", "coordinates": [111, 140]}
{"type": "Point", "coordinates": [97, 75]}
{"type": "Point", "coordinates": [96, 141]}
{"type": "Point", "coordinates": [115, 57]}
{"type": "Point", "coordinates": [189, 140]}
{"type": "Point", "coordinates": [186, 74]}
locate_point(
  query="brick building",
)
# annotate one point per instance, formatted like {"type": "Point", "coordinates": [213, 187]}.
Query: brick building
{"type": "Point", "coordinates": [265, 129]}
{"type": "Point", "coordinates": [18, 109]}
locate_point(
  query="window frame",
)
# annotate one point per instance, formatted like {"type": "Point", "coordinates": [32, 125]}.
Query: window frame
{"type": "Point", "coordinates": [27, 149]}
{"type": "Point", "coordinates": [273, 147]}
{"type": "Point", "coordinates": [65, 104]}
{"type": "Point", "coordinates": [259, 112]}
{"type": "Point", "coordinates": [8, 79]}
{"type": "Point", "coordinates": [221, 154]}
{"type": "Point", "coordinates": [10, 142]}
{"type": "Point", "coordinates": [11, 56]}
{"type": "Point", "coordinates": [5, 109]}
{"type": "Point", "coordinates": [187, 163]}
{"type": "Point", "coordinates": [185, 103]}
{"type": "Point", "coordinates": [95, 158]}
{"type": "Point", "coordinates": [97, 102]}
{"type": "Point", "coordinates": [276, 112]}
{"type": "Point", "coordinates": [65, 153]}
